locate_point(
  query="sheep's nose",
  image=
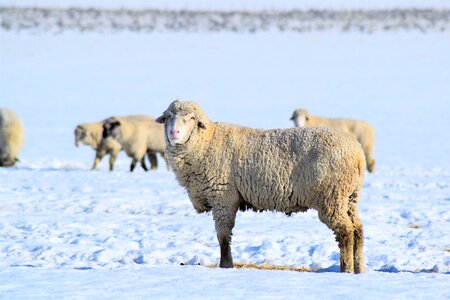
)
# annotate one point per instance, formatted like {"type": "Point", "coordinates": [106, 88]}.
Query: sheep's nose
{"type": "Point", "coordinates": [175, 134]}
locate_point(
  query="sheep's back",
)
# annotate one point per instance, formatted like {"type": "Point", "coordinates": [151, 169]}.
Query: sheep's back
{"type": "Point", "coordinates": [155, 136]}
{"type": "Point", "coordinates": [361, 130]}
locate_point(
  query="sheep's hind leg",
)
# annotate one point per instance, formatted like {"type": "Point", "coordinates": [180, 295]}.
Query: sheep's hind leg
{"type": "Point", "coordinates": [224, 220]}
{"type": "Point", "coordinates": [133, 164]}
{"type": "Point", "coordinates": [342, 226]}
{"type": "Point", "coordinates": [143, 164]}
{"type": "Point", "coordinates": [370, 161]}
{"type": "Point", "coordinates": [358, 255]}
{"type": "Point", "coordinates": [153, 160]}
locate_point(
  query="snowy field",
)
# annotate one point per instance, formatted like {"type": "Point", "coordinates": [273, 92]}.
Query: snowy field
{"type": "Point", "coordinates": [67, 232]}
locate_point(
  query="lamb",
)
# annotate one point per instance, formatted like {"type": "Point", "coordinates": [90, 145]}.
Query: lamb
{"type": "Point", "coordinates": [138, 138]}
{"type": "Point", "coordinates": [12, 137]}
{"type": "Point", "coordinates": [228, 167]}
{"type": "Point", "coordinates": [361, 130]}
{"type": "Point", "coordinates": [91, 134]}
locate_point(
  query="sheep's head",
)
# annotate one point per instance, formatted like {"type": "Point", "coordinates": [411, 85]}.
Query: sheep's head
{"type": "Point", "coordinates": [81, 136]}
{"type": "Point", "coordinates": [181, 120]}
{"type": "Point", "coordinates": [111, 128]}
{"type": "Point", "coordinates": [7, 161]}
{"type": "Point", "coordinates": [300, 117]}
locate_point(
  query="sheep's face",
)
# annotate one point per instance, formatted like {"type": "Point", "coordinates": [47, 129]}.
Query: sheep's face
{"type": "Point", "coordinates": [112, 128]}
{"type": "Point", "coordinates": [179, 128]}
{"type": "Point", "coordinates": [181, 120]}
{"type": "Point", "coordinates": [81, 136]}
{"type": "Point", "coordinates": [116, 132]}
{"type": "Point", "coordinates": [300, 118]}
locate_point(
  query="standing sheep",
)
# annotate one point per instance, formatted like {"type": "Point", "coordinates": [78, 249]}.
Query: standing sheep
{"type": "Point", "coordinates": [138, 138]}
{"type": "Point", "coordinates": [12, 137]}
{"type": "Point", "coordinates": [229, 167]}
{"type": "Point", "coordinates": [91, 134]}
{"type": "Point", "coordinates": [361, 130]}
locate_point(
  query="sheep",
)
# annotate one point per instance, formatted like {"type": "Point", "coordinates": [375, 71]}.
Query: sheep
{"type": "Point", "coordinates": [12, 137]}
{"type": "Point", "coordinates": [91, 134]}
{"type": "Point", "coordinates": [138, 138]}
{"type": "Point", "coordinates": [227, 167]}
{"type": "Point", "coordinates": [361, 130]}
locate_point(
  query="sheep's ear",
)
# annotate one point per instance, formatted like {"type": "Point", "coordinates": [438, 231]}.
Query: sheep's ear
{"type": "Point", "coordinates": [161, 119]}
{"type": "Point", "coordinates": [201, 125]}
{"type": "Point", "coordinates": [292, 118]}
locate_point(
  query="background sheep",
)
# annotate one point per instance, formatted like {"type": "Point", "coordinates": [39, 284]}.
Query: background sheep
{"type": "Point", "coordinates": [92, 134]}
{"type": "Point", "coordinates": [363, 131]}
{"type": "Point", "coordinates": [12, 137]}
{"type": "Point", "coordinates": [228, 167]}
{"type": "Point", "coordinates": [138, 137]}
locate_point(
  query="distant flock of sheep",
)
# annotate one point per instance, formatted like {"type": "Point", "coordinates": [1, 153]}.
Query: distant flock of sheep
{"type": "Point", "coordinates": [319, 164]}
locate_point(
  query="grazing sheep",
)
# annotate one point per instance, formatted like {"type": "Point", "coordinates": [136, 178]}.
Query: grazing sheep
{"type": "Point", "coordinates": [361, 130]}
{"type": "Point", "coordinates": [12, 137]}
{"type": "Point", "coordinates": [137, 137]}
{"type": "Point", "coordinates": [228, 167]}
{"type": "Point", "coordinates": [91, 134]}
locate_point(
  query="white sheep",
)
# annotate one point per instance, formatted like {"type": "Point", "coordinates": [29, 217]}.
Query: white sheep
{"type": "Point", "coordinates": [91, 134]}
{"type": "Point", "coordinates": [138, 138]}
{"type": "Point", "coordinates": [361, 130]}
{"type": "Point", "coordinates": [12, 137]}
{"type": "Point", "coordinates": [228, 167]}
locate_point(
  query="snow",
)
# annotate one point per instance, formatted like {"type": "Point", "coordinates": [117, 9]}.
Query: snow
{"type": "Point", "coordinates": [68, 232]}
{"type": "Point", "coordinates": [190, 282]}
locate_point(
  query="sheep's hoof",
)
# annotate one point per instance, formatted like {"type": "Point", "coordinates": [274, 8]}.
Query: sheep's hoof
{"type": "Point", "coordinates": [226, 265]}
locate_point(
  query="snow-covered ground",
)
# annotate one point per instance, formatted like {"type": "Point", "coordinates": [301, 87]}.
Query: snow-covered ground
{"type": "Point", "coordinates": [68, 232]}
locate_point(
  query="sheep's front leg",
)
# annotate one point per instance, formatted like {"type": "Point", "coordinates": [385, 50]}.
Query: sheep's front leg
{"type": "Point", "coordinates": [112, 160]}
{"type": "Point", "coordinates": [98, 158]}
{"type": "Point", "coordinates": [224, 218]}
